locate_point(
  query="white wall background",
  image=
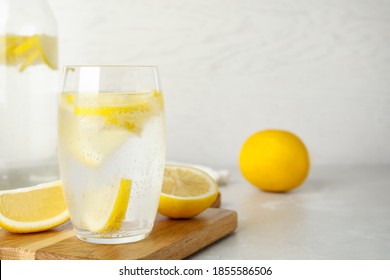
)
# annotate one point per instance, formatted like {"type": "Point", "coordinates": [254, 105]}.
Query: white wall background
{"type": "Point", "coordinates": [319, 68]}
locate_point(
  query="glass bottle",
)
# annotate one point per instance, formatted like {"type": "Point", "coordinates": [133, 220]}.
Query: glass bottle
{"type": "Point", "coordinates": [28, 87]}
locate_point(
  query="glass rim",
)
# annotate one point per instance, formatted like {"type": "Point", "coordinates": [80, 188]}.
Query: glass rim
{"type": "Point", "coordinates": [89, 78]}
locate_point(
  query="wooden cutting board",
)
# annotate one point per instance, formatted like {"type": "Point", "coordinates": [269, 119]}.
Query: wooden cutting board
{"type": "Point", "coordinates": [170, 239]}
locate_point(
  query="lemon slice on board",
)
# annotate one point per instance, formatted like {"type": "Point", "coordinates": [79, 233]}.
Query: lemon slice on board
{"type": "Point", "coordinates": [106, 209]}
{"type": "Point", "coordinates": [33, 209]}
{"type": "Point", "coordinates": [186, 191]}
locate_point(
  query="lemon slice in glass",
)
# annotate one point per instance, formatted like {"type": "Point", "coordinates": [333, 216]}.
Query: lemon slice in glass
{"type": "Point", "coordinates": [87, 139]}
{"type": "Point", "coordinates": [106, 208]}
{"type": "Point", "coordinates": [129, 111]}
{"type": "Point", "coordinates": [95, 125]}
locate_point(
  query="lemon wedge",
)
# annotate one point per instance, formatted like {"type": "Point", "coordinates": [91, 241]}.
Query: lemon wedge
{"type": "Point", "coordinates": [33, 209]}
{"type": "Point", "coordinates": [106, 209]}
{"type": "Point", "coordinates": [186, 192]}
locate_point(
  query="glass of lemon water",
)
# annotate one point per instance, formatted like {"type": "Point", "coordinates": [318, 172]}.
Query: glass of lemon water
{"type": "Point", "coordinates": [111, 143]}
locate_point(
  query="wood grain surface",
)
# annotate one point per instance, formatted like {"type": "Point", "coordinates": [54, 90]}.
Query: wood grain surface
{"type": "Point", "coordinates": [15, 246]}
{"type": "Point", "coordinates": [170, 239]}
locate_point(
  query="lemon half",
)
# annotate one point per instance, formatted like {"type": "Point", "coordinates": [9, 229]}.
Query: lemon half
{"type": "Point", "coordinates": [186, 192]}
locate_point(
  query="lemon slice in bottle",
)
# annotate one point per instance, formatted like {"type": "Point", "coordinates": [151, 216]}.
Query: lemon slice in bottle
{"type": "Point", "coordinates": [29, 50]}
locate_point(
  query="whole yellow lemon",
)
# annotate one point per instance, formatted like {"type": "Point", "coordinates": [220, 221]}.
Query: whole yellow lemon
{"type": "Point", "coordinates": [274, 160]}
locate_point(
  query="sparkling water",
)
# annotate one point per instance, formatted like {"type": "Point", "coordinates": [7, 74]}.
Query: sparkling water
{"type": "Point", "coordinates": [103, 139]}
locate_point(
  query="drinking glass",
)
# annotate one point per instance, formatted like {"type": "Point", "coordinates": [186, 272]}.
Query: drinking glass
{"type": "Point", "coordinates": [111, 142]}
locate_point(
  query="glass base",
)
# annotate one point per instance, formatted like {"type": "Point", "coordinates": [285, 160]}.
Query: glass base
{"type": "Point", "coordinates": [117, 239]}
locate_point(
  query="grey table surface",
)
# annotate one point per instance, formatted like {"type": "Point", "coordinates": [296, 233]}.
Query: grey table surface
{"type": "Point", "coordinates": [340, 212]}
